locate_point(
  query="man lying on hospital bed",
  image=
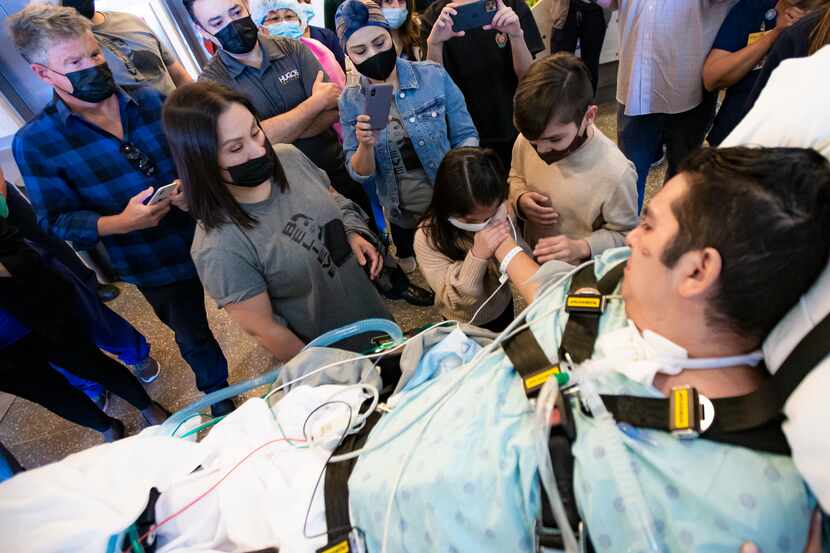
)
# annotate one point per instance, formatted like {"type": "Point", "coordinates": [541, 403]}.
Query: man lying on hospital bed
{"type": "Point", "coordinates": [722, 253]}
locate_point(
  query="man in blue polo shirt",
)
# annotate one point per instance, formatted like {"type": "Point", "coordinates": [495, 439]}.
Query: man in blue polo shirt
{"type": "Point", "coordinates": [90, 161]}
{"type": "Point", "coordinates": [742, 43]}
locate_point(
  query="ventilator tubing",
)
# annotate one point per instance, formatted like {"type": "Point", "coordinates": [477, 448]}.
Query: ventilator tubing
{"type": "Point", "coordinates": [360, 327]}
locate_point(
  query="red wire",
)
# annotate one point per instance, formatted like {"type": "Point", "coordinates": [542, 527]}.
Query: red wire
{"type": "Point", "coordinates": [210, 489]}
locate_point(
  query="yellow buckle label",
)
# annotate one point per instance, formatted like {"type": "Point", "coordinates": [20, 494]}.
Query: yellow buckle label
{"type": "Point", "coordinates": [340, 547]}
{"type": "Point", "coordinates": [681, 414]}
{"type": "Point", "coordinates": [584, 302]}
{"type": "Point", "coordinates": [536, 380]}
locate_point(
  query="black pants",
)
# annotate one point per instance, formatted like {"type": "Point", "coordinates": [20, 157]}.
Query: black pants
{"type": "Point", "coordinates": [502, 321]}
{"type": "Point", "coordinates": [404, 239]}
{"type": "Point", "coordinates": [25, 372]}
{"type": "Point", "coordinates": [586, 24]}
{"type": "Point", "coordinates": [181, 306]}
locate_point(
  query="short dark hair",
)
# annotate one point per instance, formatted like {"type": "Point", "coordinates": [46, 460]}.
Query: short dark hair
{"type": "Point", "coordinates": [467, 178]}
{"type": "Point", "coordinates": [558, 88]}
{"type": "Point", "coordinates": [767, 212]}
{"type": "Point", "coordinates": [188, 6]}
{"type": "Point", "coordinates": [191, 116]}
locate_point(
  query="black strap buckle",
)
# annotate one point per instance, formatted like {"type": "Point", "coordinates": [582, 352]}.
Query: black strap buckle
{"type": "Point", "coordinates": [690, 412]}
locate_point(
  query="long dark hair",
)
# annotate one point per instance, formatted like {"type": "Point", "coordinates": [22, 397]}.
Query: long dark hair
{"type": "Point", "coordinates": [410, 33]}
{"type": "Point", "coordinates": [191, 116]}
{"type": "Point", "coordinates": [467, 178]}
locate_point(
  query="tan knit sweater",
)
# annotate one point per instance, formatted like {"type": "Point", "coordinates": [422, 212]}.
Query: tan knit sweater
{"type": "Point", "coordinates": [461, 286]}
{"type": "Point", "coordinates": [594, 190]}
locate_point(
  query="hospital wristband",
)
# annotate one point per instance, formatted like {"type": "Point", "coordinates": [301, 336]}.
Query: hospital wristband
{"type": "Point", "coordinates": [508, 258]}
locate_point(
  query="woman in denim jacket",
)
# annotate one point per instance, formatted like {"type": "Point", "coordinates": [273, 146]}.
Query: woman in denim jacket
{"type": "Point", "coordinates": [397, 165]}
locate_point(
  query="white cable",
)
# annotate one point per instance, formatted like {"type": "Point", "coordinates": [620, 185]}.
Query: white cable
{"type": "Point", "coordinates": [344, 361]}
{"type": "Point", "coordinates": [480, 307]}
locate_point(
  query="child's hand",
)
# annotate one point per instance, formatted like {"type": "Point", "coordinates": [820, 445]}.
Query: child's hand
{"type": "Point", "coordinates": [488, 240]}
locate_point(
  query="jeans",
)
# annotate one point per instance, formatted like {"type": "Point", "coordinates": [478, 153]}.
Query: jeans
{"type": "Point", "coordinates": [642, 137]}
{"type": "Point", "coordinates": [586, 24]}
{"type": "Point", "coordinates": [181, 306]}
{"type": "Point", "coordinates": [109, 330]}
{"type": "Point", "coordinates": [26, 373]}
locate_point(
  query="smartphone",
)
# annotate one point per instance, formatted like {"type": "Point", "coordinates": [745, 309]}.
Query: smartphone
{"type": "Point", "coordinates": [162, 193]}
{"type": "Point", "coordinates": [474, 15]}
{"type": "Point", "coordinates": [378, 102]}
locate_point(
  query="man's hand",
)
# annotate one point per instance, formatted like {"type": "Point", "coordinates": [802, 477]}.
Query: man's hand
{"type": "Point", "coordinates": [137, 216]}
{"type": "Point", "coordinates": [787, 15]}
{"type": "Point", "coordinates": [506, 21]}
{"type": "Point", "coordinates": [562, 248]}
{"type": "Point", "coordinates": [537, 209]}
{"type": "Point", "coordinates": [363, 131]}
{"type": "Point", "coordinates": [325, 94]}
{"type": "Point", "coordinates": [178, 198]}
{"type": "Point", "coordinates": [487, 241]}
{"type": "Point", "coordinates": [442, 30]}
{"type": "Point", "coordinates": [365, 252]}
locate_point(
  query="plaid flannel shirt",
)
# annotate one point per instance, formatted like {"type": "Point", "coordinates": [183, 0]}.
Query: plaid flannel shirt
{"type": "Point", "coordinates": [75, 173]}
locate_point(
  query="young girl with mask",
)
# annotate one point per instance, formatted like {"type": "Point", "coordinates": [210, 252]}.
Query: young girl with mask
{"type": "Point", "coordinates": [398, 163]}
{"type": "Point", "coordinates": [458, 237]}
{"type": "Point", "coordinates": [275, 245]}
{"type": "Point", "coordinates": [405, 28]}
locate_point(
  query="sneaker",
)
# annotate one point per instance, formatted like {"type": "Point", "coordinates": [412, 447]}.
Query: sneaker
{"type": "Point", "coordinates": [222, 408]}
{"type": "Point", "coordinates": [147, 370]}
{"type": "Point", "coordinates": [155, 414]}
{"type": "Point", "coordinates": [408, 264]}
{"type": "Point", "coordinates": [102, 400]}
{"type": "Point", "coordinates": [107, 292]}
{"type": "Point", "coordinates": [116, 431]}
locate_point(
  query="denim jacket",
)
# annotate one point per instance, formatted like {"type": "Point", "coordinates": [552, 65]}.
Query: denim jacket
{"type": "Point", "coordinates": [434, 114]}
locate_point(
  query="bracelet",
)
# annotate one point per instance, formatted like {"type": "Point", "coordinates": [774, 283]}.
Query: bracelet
{"type": "Point", "coordinates": [508, 258]}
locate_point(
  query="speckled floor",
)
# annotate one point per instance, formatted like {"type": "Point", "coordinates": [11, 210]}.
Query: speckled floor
{"type": "Point", "coordinates": [36, 436]}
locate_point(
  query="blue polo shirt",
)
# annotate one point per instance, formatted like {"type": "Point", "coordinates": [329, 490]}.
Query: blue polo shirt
{"type": "Point", "coordinates": [745, 18]}
{"type": "Point", "coordinates": [75, 173]}
{"type": "Point", "coordinates": [11, 330]}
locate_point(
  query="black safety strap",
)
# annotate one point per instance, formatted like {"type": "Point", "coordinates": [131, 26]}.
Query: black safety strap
{"type": "Point", "coordinates": [752, 420]}
{"type": "Point", "coordinates": [582, 328]}
{"type": "Point", "coordinates": [336, 485]}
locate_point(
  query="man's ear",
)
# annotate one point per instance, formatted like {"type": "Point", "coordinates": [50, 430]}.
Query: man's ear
{"type": "Point", "coordinates": [698, 272]}
{"type": "Point", "coordinates": [42, 73]}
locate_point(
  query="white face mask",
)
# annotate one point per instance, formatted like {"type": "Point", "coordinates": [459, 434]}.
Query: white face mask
{"type": "Point", "coordinates": [640, 356]}
{"type": "Point", "coordinates": [500, 214]}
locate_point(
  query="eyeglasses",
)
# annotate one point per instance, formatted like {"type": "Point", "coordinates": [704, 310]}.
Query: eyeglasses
{"type": "Point", "coordinates": [139, 159]}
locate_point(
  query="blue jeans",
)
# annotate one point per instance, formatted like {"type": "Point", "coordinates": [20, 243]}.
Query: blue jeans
{"type": "Point", "coordinates": [642, 137]}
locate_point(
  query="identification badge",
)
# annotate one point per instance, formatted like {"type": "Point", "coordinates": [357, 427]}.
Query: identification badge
{"type": "Point", "coordinates": [501, 40]}
{"type": "Point", "coordinates": [533, 382]}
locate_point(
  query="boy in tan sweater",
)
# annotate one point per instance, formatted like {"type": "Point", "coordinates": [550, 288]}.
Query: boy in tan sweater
{"type": "Point", "coordinates": [573, 187]}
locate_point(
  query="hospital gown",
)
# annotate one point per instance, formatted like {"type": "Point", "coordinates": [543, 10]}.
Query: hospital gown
{"type": "Point", "coordinates": [466, 475]}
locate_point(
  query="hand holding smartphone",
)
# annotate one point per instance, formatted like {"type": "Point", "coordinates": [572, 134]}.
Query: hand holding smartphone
{"type": "Point", "coordinates": [378, 103]}
{"type": "Point", "coordinates": [474, 15]}
{"type": "Point", "coordinates": [162, 193]}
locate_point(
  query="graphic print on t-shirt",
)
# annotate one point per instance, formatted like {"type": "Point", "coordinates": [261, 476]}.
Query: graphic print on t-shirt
{"type": "Point", "coordinates": [328, 244]}
{"type": "Point", "coordinates": [404, 158]}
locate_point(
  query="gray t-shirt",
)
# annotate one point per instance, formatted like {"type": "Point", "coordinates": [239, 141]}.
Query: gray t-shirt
{"type": "Point", "coordinates": [283, 81]}
{"type": "Point", "coordinates": [297, 253]}
{"type": "Point", "coordinates": [414, 188]}
{"type": "Point", "coordinates": [135, 55]}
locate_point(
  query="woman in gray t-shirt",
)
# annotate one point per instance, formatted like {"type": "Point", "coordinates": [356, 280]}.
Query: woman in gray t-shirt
{"type": "Point", "coordinates": [275, 245]}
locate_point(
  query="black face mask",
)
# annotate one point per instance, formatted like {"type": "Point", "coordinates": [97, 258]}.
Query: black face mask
{"type": "Point", "coordinates": [85, 7]}
{"type": "Point", "coordinates": [239, 36]}
{"type": "Point", "coordinates": [553, 156]}
{"type": "Point", "coordinates": [255, 171]}
{"type": "Point", "coordinates": [93, 84]}
{"type": "Point", "coordinates": [379, 66]}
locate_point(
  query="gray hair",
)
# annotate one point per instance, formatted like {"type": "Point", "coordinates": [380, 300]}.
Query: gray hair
{"type": "Point", "coordinates": [38, 26]}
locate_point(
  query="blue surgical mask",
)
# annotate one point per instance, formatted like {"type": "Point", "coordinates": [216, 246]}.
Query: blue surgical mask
{"type": "Point", "coordinates": [286, 29]}
{"type": "Point", "coordinates": [395, 16]}
{"type": "Point", "coordinates": [308, 10]}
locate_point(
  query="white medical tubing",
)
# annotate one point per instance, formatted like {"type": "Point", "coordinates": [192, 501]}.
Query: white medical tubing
{"type": "Point", "coordinates": [544, 407]}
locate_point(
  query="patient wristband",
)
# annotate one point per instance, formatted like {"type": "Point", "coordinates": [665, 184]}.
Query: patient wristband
{"type": "Point", "coordinates": [508, 258]}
